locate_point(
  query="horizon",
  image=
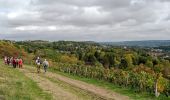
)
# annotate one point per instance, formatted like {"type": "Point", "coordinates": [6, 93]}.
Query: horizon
{"type": "Point", "coordinates": [82, 20]}
{"type": "Point", "coordinates": [86, 41]}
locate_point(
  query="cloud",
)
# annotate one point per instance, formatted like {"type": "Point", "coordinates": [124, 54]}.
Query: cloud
{"type": "Point", "coordinates": [95, 20]}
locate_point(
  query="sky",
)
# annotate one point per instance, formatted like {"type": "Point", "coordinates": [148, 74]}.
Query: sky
{"type": "Point", "coordinates": [85, 20]}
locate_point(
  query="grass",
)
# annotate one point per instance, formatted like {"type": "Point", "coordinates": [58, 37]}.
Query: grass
{"type": "Point", "coordinates": [122, 90]}
{"type": "Point", "coordinates": [15, 86]}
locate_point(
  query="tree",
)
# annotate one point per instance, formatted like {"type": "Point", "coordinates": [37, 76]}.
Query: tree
{"type": "Point", "coordinates": [142, 60]}
{"type": "Point", "coordinates": [117, 63]}
{"type": "Point", "coordinates": [149, 63]}
{"type": "Point", "coordinates": [97, 55]}
{"type": "Point", "coordinates": [105, 62]}
{"type": "Point", "coordinates": [68, 59]}
{"type": "Point", "coordinates": [127, 61]}
{"type": "Point", "coordinates": [111, 59]}
{"type": "Point", "coordinates": [135, 58]}
{"type": "Point", "coordinates": [90, 58]}
{"type": "Point", "coordinates": [123, 64]}
{"type": "Point", "coordinates": [155, 62]}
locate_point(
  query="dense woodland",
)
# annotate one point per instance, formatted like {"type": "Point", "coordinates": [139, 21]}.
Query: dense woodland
{"type": "Point", "coordinates": [142, 69]}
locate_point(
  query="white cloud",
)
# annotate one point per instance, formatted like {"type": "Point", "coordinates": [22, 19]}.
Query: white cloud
{"type": "Point", "coordinates": [98, 20]}
{"type": "Point", "coordinates": [52, 28]}
{"type": "Point", "coordinates": [12, 15]}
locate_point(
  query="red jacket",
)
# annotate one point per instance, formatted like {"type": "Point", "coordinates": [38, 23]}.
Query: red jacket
{"type": "Point", "coordinates": [20, 62]}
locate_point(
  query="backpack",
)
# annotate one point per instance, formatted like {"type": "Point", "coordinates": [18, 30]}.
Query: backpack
{"type": "Point", "coordinates": [38, 61]}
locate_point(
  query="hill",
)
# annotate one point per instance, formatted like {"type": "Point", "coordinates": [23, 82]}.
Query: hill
{"type": "Point", "coordinates": [128, 67]}
{"type": "Point", "coordinates": [148, 43]}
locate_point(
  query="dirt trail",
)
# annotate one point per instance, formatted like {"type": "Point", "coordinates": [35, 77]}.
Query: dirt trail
{"type": "Point", "coordinates": [57, 92]}
{"type": "Point", "coordinates": [58, 89]}
{"type": "Point", "coordinates": [89, 87]}
{"type": "Point", "coordinates": [47, 85]}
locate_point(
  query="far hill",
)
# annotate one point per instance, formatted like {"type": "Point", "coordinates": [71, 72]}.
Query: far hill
{"type": "Point", "coordinates": [147, 43]}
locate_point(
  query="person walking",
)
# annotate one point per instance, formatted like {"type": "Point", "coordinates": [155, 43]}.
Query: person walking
{"type": "Point", "coordinates": [14, 62]}
{"type": "Point", "coordinates": [17, 62]}
{"type": "Point", "coordinates": [38, 63]}
{"type": "Point", "coordinates": [11, 60]}
{"type": "Point", "coordinates": [20, 63]}
{"type": "Point", "coordinates": [45, 65]}
{"type": "Point", "coordinates": [5, 60]}
{"type": "Point", "coordinates": [8, 60]}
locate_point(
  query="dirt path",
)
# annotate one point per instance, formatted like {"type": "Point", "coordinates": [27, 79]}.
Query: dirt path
{"type": "Point", "coordinates": [57, 91]}
{"type": "Point", "coordinates": [89, 87]}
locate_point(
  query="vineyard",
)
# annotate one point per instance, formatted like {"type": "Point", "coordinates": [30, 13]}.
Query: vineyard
{"type": "Point", "coordinates": [139, 79]}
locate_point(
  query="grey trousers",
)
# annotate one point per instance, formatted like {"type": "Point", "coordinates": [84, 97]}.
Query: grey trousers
{"type": "Point", "coordinates": [45, 68]}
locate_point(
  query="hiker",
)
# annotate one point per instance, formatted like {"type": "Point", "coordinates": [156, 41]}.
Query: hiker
{"type": "Point", "coordinates": [11, 60]}
{"type": "Point", "coordinates": [20, 63]}
{"type": "Point", "coordinates": [8, 60]}
{"type": "Point", "coordinates": [45, 65]}
{"type": "Point", "coordinates": [5, 60]}
{"type": "Point", "coordinates": [14, 62]}
{"type": "Point", "coordinates": [17, 62]}
{"type": "Point", "coordinates": [38, 62]}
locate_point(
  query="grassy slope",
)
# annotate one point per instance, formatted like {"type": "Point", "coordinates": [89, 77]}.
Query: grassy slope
{"type": "Point", "coordinates": [110, 86]}
{"type": "Point", "coordinates": [15, 86]}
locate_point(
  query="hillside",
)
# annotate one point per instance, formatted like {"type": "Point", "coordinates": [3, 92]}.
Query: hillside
{"type": "Point", "coordinates": [148, 43]}
{"type": "Point", "coordinates": [14, 85]}
{"type": "Point", "coordinates": [132, 70]}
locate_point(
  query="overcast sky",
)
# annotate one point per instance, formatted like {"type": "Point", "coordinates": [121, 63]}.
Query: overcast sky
{"type": "Point", "coordinates": [85, 20]}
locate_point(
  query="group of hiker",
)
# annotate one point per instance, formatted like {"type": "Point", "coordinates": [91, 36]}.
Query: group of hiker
{"type": "Point", "coordinates": [45, 64]}
{"type": "Point", "coordinates": [18, 63]}
{"type": "Point", "coordinates": [14, 61]}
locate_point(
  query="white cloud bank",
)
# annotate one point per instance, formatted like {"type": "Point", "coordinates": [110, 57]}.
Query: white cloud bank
{"type": "Point", "coordinates": [95, 20]}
